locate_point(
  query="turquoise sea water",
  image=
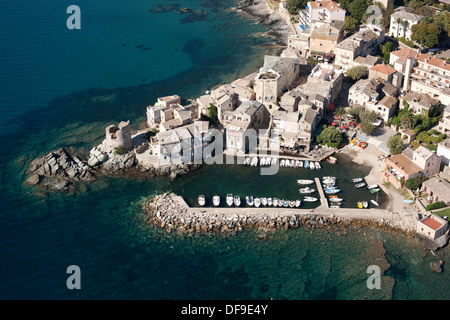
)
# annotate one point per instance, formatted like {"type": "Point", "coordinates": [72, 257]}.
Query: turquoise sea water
{"type": "Point", "coordinates": [50, 80]}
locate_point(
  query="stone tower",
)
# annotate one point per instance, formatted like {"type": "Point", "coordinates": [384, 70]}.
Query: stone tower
{"type": "Point", "coordinates": [119, 136]}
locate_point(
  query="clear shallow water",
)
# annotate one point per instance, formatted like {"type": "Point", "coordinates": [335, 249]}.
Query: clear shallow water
{"type": "Point", "coordinates": [51, 78]}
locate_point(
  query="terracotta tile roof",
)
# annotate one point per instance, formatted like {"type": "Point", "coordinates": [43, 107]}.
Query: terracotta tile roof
{"type": "Point", "coordinates": [433, 224]}
{"type": "Point", "coordinates": [436, 62]}
{"type": "Point", "coordinates": [382, 68]}
{"type": "Point", "coordinates": [404, 54]}
{"type": "Point", "coordinates": [403, 163]}
{"type": "Point", "coordinates": [329, 5]}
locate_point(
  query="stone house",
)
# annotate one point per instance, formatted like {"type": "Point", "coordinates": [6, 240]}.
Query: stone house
{"type": "Point", "coordinates": [438, 189]}
{"type": "Point", "coordinates": [401, 22]}
{"type": "Point", "coordinates": [325, 35]}
{"type": "Point", "coordinates": [443, 125]}
{"type": "Point", "coordinates": [427, 160]}
{"type": "Point", "coordinates": [432, 226]}
{"type": "Point", "coordinates": [386, 73]}
{"type": "Point", "coordinates": [325, 10]}
{"type": "Point", "coordinates": [420, 103]}
{"type": "Point", "coordinates": [443, 150]}
{"type": "Point", "coordinates": [119, 137]}
{"type": "Point", "coordinates": [399, 168]}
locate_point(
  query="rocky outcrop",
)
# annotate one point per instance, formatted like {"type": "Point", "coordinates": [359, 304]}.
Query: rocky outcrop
{"type": "Point", "coordinates": [58, 170]}
{"type": "Point", "coordinates": [436, 266]}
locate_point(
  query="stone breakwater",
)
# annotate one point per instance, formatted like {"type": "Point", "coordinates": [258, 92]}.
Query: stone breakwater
{"type": "Point", "coordinates": [171, 213]}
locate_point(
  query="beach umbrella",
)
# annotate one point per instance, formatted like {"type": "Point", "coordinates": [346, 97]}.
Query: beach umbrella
{"type": "Point", "coordinates": [343, 127]}
{"type": "Point", "coordinates": [351, 124]}
{"type": "Point", "coordinates": [333, 123]}
{"type": "Point", "coordinates": [358, 125]}
{"type": "Point", "coordinates": [336, 117]}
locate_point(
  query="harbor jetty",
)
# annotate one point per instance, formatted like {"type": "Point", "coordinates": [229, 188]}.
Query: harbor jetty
{"type": "Point", "coordinates": [171, 213]}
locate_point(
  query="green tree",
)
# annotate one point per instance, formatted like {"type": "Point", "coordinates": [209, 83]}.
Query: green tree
{"type": "Point", "coordinates": [341, 113]}
{"type": "Point", "coordinates": [443, 22]}
{"type": "Point", "coordinates": [415, 183]}
{"type": "Point", "coordinates": [435, 205]}
{"type": "Point", "coordinates": [357, 72]}
{"type": "Point", "coordinates": [212, 113]}
{"type": "Point", "coordinates": [387, 49]}
{"type": "Point", "coordinates": [294, 5]}
{"type": "Point", "coordinates": [351, 23]}
{"type": "Point", "coordinates": [408, 121]}
{"type": "Point", "coordinates": [367, 127]}
{"type": "Point", "coordinates": [358, 8]}
{"type": "Point", "coordinates": [425, 33]}
{"type": "Point", "coordinates": [330, 134]}
{"type": "Point", "coordinates": [395, 144]}
{"type": "Point", "coordinates": [120, 150]}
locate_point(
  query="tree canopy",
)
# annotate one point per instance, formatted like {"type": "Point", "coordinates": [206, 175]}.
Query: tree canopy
{"type": "Point", "coordinates": [395, 144]}
{"type": "Point", "coordinates": [330, 134]}
{"type": "Point", "coordinates": [426, 33]}
{"type": "Point", "coordinates": [357, 72]}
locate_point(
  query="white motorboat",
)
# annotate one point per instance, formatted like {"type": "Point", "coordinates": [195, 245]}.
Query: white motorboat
{"type": "Point", "coordinates": [336, 199]}
{"type": "Point", "coordinates": [268, 161]}
{"type": "Point", "coordinates": [309, 199]}
{"type": "Point", "coordinates": [329, 178]}
{"type": "Point", "coordinates": [297, 164]}
{"type": "Point", "coordinates": [365, 204]}
{"type": "Point", "coordinates": [372, 186]}
{"type": "Point", "coordinates": [201, 200]}
{"type": "Point", "coordinates": [292, 163]}
{"type": "Point", "coordinates": [306, 190]}
{"type": "Point", "coordinates": [285, 203]}
{"type": "Point", "coordinates": [317, 165]}
{"type": "Point", "coordinates": [237, 201]}
{"type": "Point", "coordinates": [257, 202]}
{"type": "Point", "coordinates": [332, 191]}
{"type": "Point", "coordinates": [374, 202]}
{"type": "Point", "coordinates": [335, 205]}
{"type": "Point", "coordinates": [229, 199]}
{"type": "Point", "coordinates": [274, 161]}
{"type": "Point", "coordinates": [312, 165]}
{"type": "Point", "coordinates": [275, 202]}
{"type": "Point", "coordinates": [282, 163]}
{"type": "Point", "coordinates": [216, 200]}
{"type": "Point", "coordinates": [264, 201]}
{"type": "Point", "coordinates": [262, 162]}
{"type": "Point", "coordinates": [280, 202]}
{"type": "Point", "coordinates": [301, 164]}
{"type": "Point", "coordinates": [357, 180]}
{"type": "Point", "coordinates": [249, 200]}
{"type": "Point", "coordinates": [291, 204]}
{"type": "Point", "coordinates": [360, 185]}
{"type": "Point", "coordinates": [269, 201]}
{"type": "Point", "coordinates": [305, 181]}
{"type": "Point", "coordinates": [254, 162]}
{"type": "Point", "coordinates": [298, 203]}
{"type": "Point", "coordinates": [247, 161]}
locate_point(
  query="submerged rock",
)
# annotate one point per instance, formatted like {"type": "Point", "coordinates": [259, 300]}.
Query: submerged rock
{"type": "Point", "coordinates": [436, 266]}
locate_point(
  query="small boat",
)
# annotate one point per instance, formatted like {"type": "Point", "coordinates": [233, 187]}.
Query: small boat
{"type": "Point", "coordinates": [237, 201]}
{"type": "Point", "coordinates": [297, 164]}
{"type": "Point", "coordinates": [301, 164]}
{"type": "Point", "coordinates": [408, 201]}
{"type": "Point", "coordinates": [365, 204]}
{"type": "Point", "coordinates": [335, 205]}
{"type": "Point", "coordinates": [285, 203]}
{"type": "Point", "coordinates": [360, 204]}
{"type": "Point", "coordinates": [306, 190]}
{"type": "Point", "coordinates": [282, 163]}
{"type": "Point", "coordinates": [374, 202]}
{"type": "Point", "coordinates": [201, 200]}
{"type": "Point", "coordinates": [329, 182]}
{"type": "Point", "coordinates": [331, 160]}
{"type": "Point", "coordinates": [216, 200]}
{"type": "Point", "coordinates": [269, 201]}
{"type": "Point", "coordinates": [257, 202]}
{"type": "Point", "coordinates": [305, 181]}
{"type": "Point", "coordinates": [249, 200]}
{"type": "Point", "coordinates": [247, 161]}
{"type": "Point", "coordinates": [317, 165]}
{"type": "Point", "coordinates": [298, 203]}
{"type": "Point", "coordinates": [292, 163]}
{"type": "Point", "coordinates": [280, 202]}
{"type": "Point", "coordinates": [264, 201]}
{"type": "Point", "coordinates": [360, 185]}
{"type": "Point", "coordinates": [375, 190]}
{"type": "Point", "coordinates": [275, 202]}
{"type": "Point", "coordinates": [357, 180]}
{"type": "Point", "coordinates": [306, 164]}
{"type": "Point", "coordinates": [336, 199]}
{"type": "Point", "coordinates": [309, 199]}
{"type": "Point", "coordinates": [229, 199]}
{"type": "Point", "coordinates": [262, 162]}
{"type": "Point", "coordinates": [274, 161]}
{"type": "Point", "coordinates": [332, 191]}
{"type": "Point", "coordinates": [311, 165]}
{"type": "Point", "coordinates": [254, 162]}
{"type": "Point", "coordinates": [329, 178]}
{"type": "Point", "coordinates": [372, 186]}
{"type": "Point", "coordinates": [268, 161]}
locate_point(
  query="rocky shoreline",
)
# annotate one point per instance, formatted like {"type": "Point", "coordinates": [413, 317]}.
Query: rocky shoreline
{"type": "Point", "coordinates": [61, 171]}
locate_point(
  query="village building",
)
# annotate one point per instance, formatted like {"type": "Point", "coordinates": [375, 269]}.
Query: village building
{"type": "Point", "coordinates": [427, 160]}
{"type": "Point", "coordinates": [325, 35]}
{"type": "Point", "coordinates": [399, 168]}
{"type": "Point", "coordinates": [420, 103]}
{"type": "Point", "coordinates": [432, 226]}
{"type": "Point", "coordinates": [325, 10]}
{"type": "Point", "coordinates": [402, 21]}
{"type": "Point", "coordinates": [275, 77]}
{"type": "Point", "coordinates": [300, 42]}
{"type": "Point", "coordinates": [438, 189]}
{"type": "Point", "coordinates": [386, 73]}
{"type": "Point", "coordinates": [119, 137]}
{"type": "Point", "coordinates": [325, 81]}
{"type": "Point", "coordinates": [362, 43]}
{"type": "Point", "coordinates": [443, 150]}
{"type": "Point", "coordinates": [369, 61]}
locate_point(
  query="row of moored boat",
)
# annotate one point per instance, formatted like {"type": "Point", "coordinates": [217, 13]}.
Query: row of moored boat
{"type": "Point", "coordinates": [251, 201]}
{"type": "Point", "coordinates": [271, 161]}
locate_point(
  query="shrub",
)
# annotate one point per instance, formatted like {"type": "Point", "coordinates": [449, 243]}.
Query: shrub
{"type": "Point", "coordinates": [435, 205]}
{"type": "Point", "coordinates": [120, 150]}
{"type": "Point", "coordinates": [395, 144]}
{"type": "Point", "coordinates": [415, 183]}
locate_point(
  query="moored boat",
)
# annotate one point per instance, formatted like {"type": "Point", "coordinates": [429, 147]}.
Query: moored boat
{"type": "Point", "coordinates": [298, 203]}
{"type": "Point", "coordinates": [360, 185]}
{"type": "Point", "coordinates": [291, 204]}
{"type": "Point", "coordinates": [375, 190]}
{"type": "Point", "coordinates": [262, 162]}
{"type": "Point", "coordinates": [309, 199]}
{"type": "Point", "coordinates": [360, 204]}
{"type": "Point", "coordinates": [247, 161]}
{"type": "Point", "coordinates": [301, 164]}
{"type": "Point", "coordinates": [292, 163]}
{"type": "Point", "coordinates": [282, 163]}
{"type": "Point", "coordinates": [249, 200]}
{"type": "Point", "coordinates": [275, 202]}
{"type": "Point", "coordinates": [229, 199]}
{"type": "Point", "coordinates": [374, 202]}
{"type": "Point", "coordinates": [274, 161]}
{"type": "Point", "coordinates": [336, 199]}
{"type": "Point", "coordinates": [306, 164]}
{"type": "Point", "coordinates": [257, 202]}
{"type": "Point", "coordinates": [264, 201]}
{"type": "Point", "coordinates": [372, 186]}
{"type": "Point", "coordinates": [216, 200]}
{"type": "Point", "coordinates": [311, 165]}
{"type": "Point", "coordinates": [254, 162]}
{"type": "Point", "coordinates": [269, 201]}
{"type": "Point", "coordinates": [201, 200]}
{"type": "Point", "coordinates": [237, 201]}
{"type": "Point", "coordinates": [365, 204]}
{"type": "Point", "coordinates": [332, 191]}
{"type": "Point", "coordinates": [317, 165]}
{"type": "Point", "coordinates": [297, 164]}
{"type": "Point", "coordinates": [285, 203]}
{"type": "Point", "coordinates": [331, 159]}
{"type": "Point", "coordinates": [306, 190]}
{"type": "Point", "coordinates": [355, 180]}
{"type": "Point", "coordinates": [305, 181]}
{"type": "Point", "coordinates": [280, 202]}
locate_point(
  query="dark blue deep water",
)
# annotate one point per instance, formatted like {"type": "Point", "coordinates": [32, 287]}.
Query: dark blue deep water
{"type": "Point", "coordinates": [133, 52]}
